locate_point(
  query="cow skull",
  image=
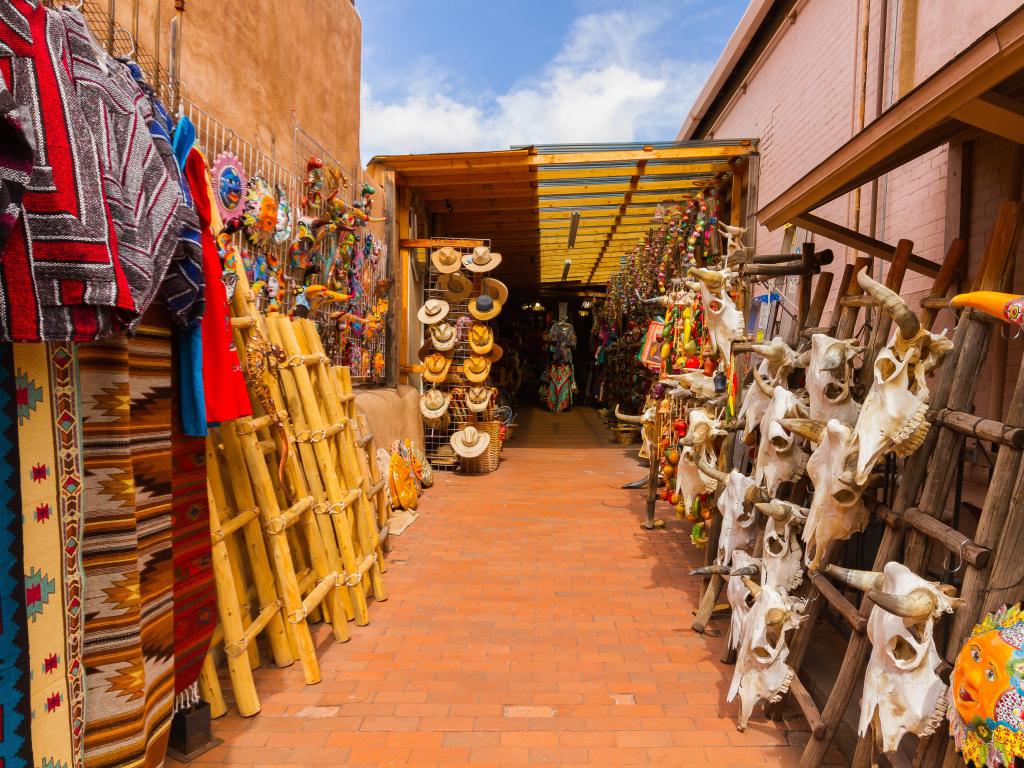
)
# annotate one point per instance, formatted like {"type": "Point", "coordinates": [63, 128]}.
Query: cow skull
{"type": "Point", "coordinates": [724, 321]}
{"type": "Point", "coordinates": [646, 422]}
{"type": "Point", "coordinates": [836, 510]}
{"type": "Point", "coordinates": [893, 416]}
{"type": "Point", "coordinates": [695, 473]}
{"type": "Point", "coordinates": [761, 672]}
{"type": "Point", "coordinates": [778, 361]}
{"type": "Point", "coordinates": [733, 237]}
{"type": "Point", "coordinates": [829, 375]}
{"type": "Point", "coordinates": [902, 692]}
{"type": "Point", "coordinates": [735, 502]}
{"type": "Point", "coordinates": [781, 551]}
{"type": "Point", "coordinates": [780, 457]}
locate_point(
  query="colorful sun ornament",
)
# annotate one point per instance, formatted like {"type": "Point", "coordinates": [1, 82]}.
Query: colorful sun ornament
{"type": "Point", "coordinates": [229, 183]}
{"type": "Point", "coordinates": [261, 212]}
{"type": "Point", "coordinates": [986, 720]}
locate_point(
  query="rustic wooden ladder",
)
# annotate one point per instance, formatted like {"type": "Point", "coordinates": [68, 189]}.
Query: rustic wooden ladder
{"type": "Point", "coordinates": [927, 478]}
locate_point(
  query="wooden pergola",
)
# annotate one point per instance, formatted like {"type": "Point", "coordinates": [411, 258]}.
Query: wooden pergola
{"type": "Point", "coordinates": [524, 200]}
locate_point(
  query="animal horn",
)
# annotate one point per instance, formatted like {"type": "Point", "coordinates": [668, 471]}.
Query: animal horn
{"type": "Point", "coordinates": [709, 277]}
{"type": "Point", "coordinates": [628, 418]}
{"type": "Point", "coordinates": [768, 351]}
{"type": "Point", "coordinates": [763, 385]}
{"type": "Point", "coordinates": [756, 495]}
{"type": "Point", "coordinates": [773, 509]}
{"type": "Point", "coordinates": [775, 617]}
{"type": "Point", "coordinates": [746, 570]}
{"type": "Point", "coordinates": [753, 586]}
{"type": "Point", "coordinates": [863, 580]}
{"type": "Point", "coordinates": [918, 604]}
{"type": "Point", "coordinates": [708, 570]}
{"type": "Point", "coordinates": [893, 303]}
{"type": "Point", "coordinates": [803, 359]}
{"type": "Point", "coordinates": [834, 358]}
{"type": "Point", "coordinates": [807, 428]}
{"type": "Point", "coordinates": [712, 471]}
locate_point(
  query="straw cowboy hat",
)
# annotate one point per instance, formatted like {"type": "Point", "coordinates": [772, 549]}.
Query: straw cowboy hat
{"type": "Point", "coordinates": [435, 367]}
{"type": "Point", "coordinates": [481, 339]}
{"type": "Point", "coordinates": [434, 403]}
{"type": "Point", "coordinates": [496, 353]}
{"type": "Point", "coordinates": [457, 286]}
{"type": "Point", "coordinates": [484, 307]}
{"type": "Point", "coordinates": [477, 368]}
{"type": "Point", "coordinates": [478, 398]}
{"type": "Point", "coordinates": [433, 311]}
{"type": "Point", "coordinates": [496, 289]}
{"type": "Point", "coordinates": [446, 260]}
{"type": "Point", "coordinates": [481, 260]}
{"type": "Point", "coordinates": [443, 336]}
{"type": "Point", "coordinates": [469, 443]}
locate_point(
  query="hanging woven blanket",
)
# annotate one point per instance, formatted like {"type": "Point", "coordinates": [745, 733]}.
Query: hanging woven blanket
{"type": "Point", "coordinates": [51, 489]}
{"type": "Point", "coordinates": [558, 387]}
{"type": "Point", "coordinates": [129, 622]}
{"type": "Point", "coordinates": [195, 596]}
{"type": "Point", "coordinates": [15, 708]}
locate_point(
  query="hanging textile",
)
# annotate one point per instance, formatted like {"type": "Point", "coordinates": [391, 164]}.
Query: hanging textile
{"type": "Point", "coordinates": [558, 385]}
{"type": "Point", "coordinates": [129, 633]}
{"type": "Point", "coordinates": [195, 596]}
{"type": "Point", "coordinates": [15, 161]}
{"type": "Point", "coordinates": [60, 277]}
{"type": "Point", "coordinates": [15, 709]}
{"type": "Point", "coordinates": [51, 488]}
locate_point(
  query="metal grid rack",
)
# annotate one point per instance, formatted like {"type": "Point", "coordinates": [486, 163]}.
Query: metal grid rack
{"type": "Point", "coordinates": [438, 439]}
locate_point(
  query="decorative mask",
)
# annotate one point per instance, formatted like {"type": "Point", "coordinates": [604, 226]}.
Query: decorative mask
{"type": "Point", "coordinates": [283, 225]}
{"type": "Point", "coordinates": [893, 416]}
{"type": "Point", "coordinates": [724, 321]}
{"type": "Point", "coordinates": [780, 457]}
{"type": "Point", "coordinates": [836, 510]}
{"type": "Point", "coordinates": [986, 720]}
{"type": "Point", "coordinates": [229, 181]}
{"type": "Point", "coordinates": [829, 375]}
{"type": "Point", "coordinates": [761, 672]}
{"type": "Point", "coordinates": [902, 692]}
{"type": "Point", "coordinates": [261, 211]}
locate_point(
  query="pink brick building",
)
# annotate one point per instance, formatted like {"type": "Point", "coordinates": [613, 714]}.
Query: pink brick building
{"type": "Point", "coordinates": [796, 75]}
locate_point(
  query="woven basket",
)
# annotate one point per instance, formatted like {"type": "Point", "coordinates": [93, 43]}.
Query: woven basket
{"type": "Point", "coordinates": [488, 460]}
{"type": "Point", "coordinates": [626, 436]}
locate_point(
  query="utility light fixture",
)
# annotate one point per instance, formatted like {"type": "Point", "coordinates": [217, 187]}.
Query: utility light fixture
{"type": "Point", "coordinates": [574, 224]}
{"type": "Point", "coordinates": [565, 269]}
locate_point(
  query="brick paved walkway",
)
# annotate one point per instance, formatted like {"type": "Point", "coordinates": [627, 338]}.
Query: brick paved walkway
{"type": "Point", "coordinates": [531, 622]}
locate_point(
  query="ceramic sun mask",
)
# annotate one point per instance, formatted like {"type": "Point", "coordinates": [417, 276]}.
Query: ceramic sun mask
{"type": "Point", "coordinates": [229, 183]}
{"type": "Point", "coordinates": [986, 720]}
{"type": "Point", "coordinates": [261, 212]}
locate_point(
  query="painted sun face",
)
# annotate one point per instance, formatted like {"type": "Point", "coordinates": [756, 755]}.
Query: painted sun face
{"type": "Point", "coordinates": [230, 188]}
{"type": "Point", "coordinates": [980, 676]}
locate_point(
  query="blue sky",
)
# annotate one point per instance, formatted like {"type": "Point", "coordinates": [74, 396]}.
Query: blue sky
{"type": "Point", "coordinates": [452, 75]}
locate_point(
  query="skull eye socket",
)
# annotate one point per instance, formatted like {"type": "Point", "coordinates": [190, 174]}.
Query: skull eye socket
{"type": "Point", "coordinates": [775, 546]}
{"type": "Point", "coordinates": [834, 391]}
{"type": "Point", "coordinates": [886, 368]}
{"type": "Point", "coordinates": [902, 650]}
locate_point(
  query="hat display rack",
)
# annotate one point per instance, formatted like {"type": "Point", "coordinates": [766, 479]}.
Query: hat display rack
{"type": "Point", "coordinates": [449, 294]}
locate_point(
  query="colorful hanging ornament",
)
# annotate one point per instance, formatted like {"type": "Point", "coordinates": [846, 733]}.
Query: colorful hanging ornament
{"type": "Point", "coordinates": [986, 720]}
{"type": "Point", "coordinates": [229, 181]}
{"type": "Point", "coordinates": [261, 212]}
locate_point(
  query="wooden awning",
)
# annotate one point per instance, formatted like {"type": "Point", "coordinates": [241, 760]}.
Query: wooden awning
{"type": "Point", "coordinates": [980, 89]}
{"type": "Point", "coordinates": [523, 199]}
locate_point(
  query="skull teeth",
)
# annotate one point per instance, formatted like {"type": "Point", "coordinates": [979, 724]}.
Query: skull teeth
{"type": "Point", "coordinates": [783, 689]}
{"type": "Point", "coordinates": [913, 434]}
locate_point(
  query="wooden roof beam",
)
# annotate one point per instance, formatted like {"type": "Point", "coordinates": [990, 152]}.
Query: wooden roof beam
{"type": "Point", "coordinates": [626, 200]}
{"type": "Point", "coordinates": [863, 243]}
{"type": "Point", "coordinates": [996, 114]}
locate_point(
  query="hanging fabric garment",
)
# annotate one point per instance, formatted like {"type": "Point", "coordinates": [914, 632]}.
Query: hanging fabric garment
{"type": "Point", "coordinates": [558, 387]}
{"type": "Point", "coordinates": [16, 155]}
{"type": "Point", "coordinates": [224, 383]}
{"type": "Point", "coordinates": [51, 490]}
{"type": "Point", "coordinates": [143, 194]}
{"type": "Point", "coordinates": [126, 548]}
{"type": "Point", "coordinates": [15, 695]}
{"type": "Point", "coordinates": [61, 277]}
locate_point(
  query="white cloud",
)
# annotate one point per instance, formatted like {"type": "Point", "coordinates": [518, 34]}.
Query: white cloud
{"type": "Point", "coordinates": [602, 86]}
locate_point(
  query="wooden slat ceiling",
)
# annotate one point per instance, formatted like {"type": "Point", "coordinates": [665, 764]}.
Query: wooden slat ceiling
{"type": "Point", "coordinates": [523, 199]}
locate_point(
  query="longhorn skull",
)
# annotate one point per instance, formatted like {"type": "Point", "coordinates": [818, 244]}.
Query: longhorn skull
{"type": "Point", "coordinates": [893, 416]}
{"type": "Point", "coordinates": [723, 319]}
{"type": "Point", "coordinates": [829, 374]}
{"type": "Point", "coordinates": [902, 692]}
{"type": "Point", "coordinates": [761, 672]}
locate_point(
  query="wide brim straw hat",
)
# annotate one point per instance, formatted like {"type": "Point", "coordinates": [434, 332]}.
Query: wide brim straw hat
{"type": "Point", "coordinates": [476, 368]}
{"type": "Point", "coordinates": [470, 443]}
{"type": "Point", "coordinates": [457, 287]}
{"type": "Point", "coordinates": [485, 307]}
{"type": "Point", "coordinates": [435, 367]}
{"type": "Point", "coordinates": [478, 398]}
{"type": "Point", "coordinates": [496, 289]}
{"type": "Point", "coordinates": [481, 338]}
{"type": "Point", "coordinates": [446, 260]}
{"type": "Point", "coordinates": [443, 337]}
{"type": "Point", "coordinates": [481, 259]}
{"type": "Point", "coordinates": [434, 403]}
{"type": "Point", "coordinates": [433, 311]}
{"type": "Point", "coordinates": [496, 353]}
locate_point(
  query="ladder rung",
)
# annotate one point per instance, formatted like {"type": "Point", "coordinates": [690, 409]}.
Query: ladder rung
{"type": "Point", "coordinates": [233, 525]}
{"type": "Point", "coordinates": [320, 591]}
{"type": "Point", "coordinates": [243, 322]}
{"type": "Point", "coordinates": [974, 426]}
{"type": "Point", "coordinates": [363, 441]}
{"type": "Point", "coordinates": [375, 488]}
{"type": "Point", "coordinates": [948, 537]}
{"type": "Point", "coordinates": [246, 426]}
{"type": "Point", "coordinates": [807, 706]}
{"type": "Point", "coordinates": [845, 608]}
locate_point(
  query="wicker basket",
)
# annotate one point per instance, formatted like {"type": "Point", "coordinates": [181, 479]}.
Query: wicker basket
{"type": "Point", "coordinates": [626, 435]}
{"type": "Point", "coordinates": [488, 460]}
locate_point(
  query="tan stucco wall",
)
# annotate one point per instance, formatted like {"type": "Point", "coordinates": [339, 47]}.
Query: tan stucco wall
{"type": "Point", "coordinates": [252, 63]}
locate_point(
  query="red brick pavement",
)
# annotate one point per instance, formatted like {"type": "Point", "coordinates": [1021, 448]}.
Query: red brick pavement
{"type": "Point", "coordinates": [531, 622]}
